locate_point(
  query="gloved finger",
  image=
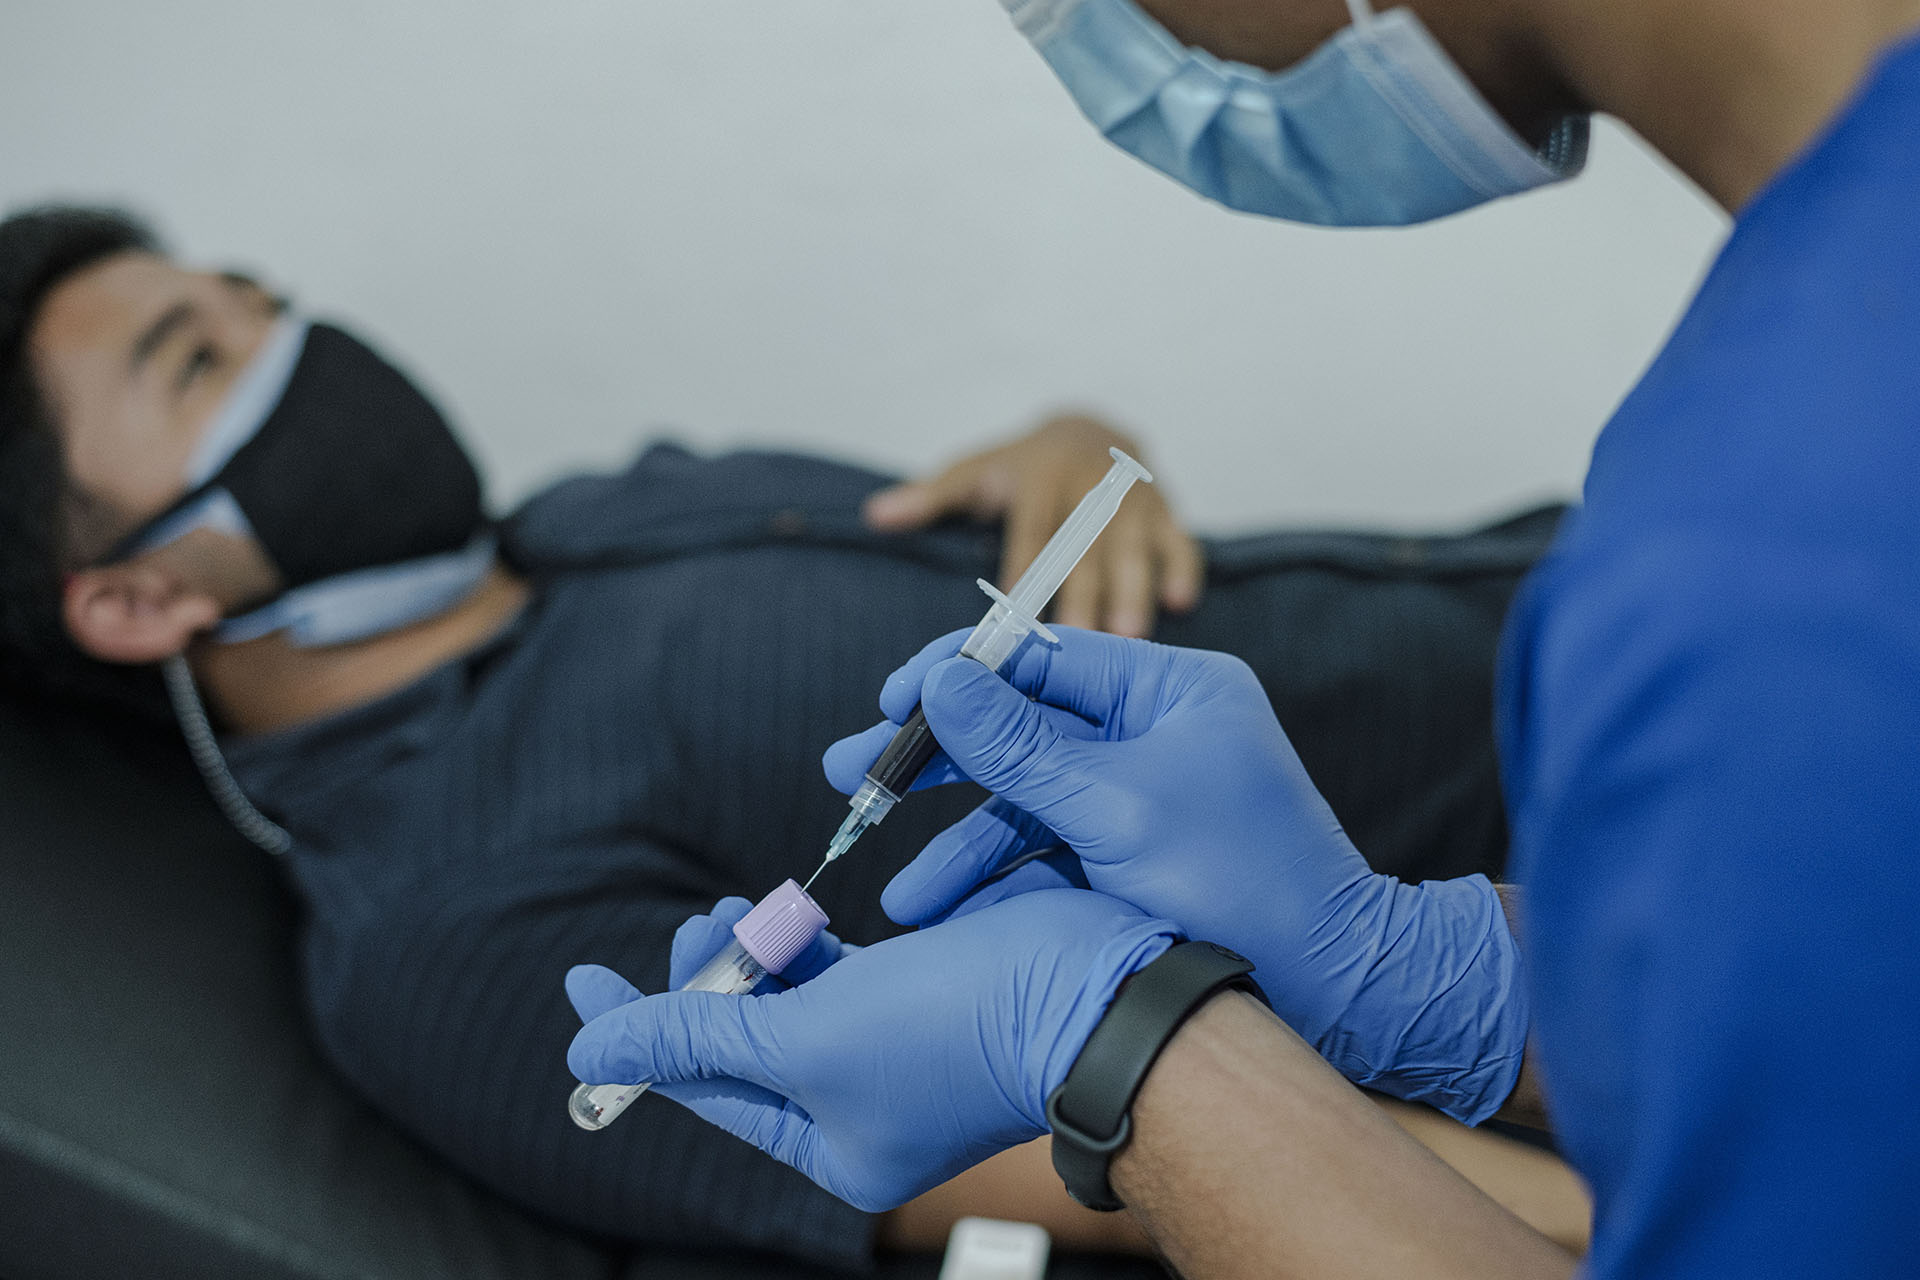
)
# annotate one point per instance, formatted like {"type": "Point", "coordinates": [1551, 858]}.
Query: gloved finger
{"type": "Point", "coordinates": [732, 1105]}
{"type": "Point", "coordinates": [760, 1116]}
{"type": "Point", "coordinates": [900, 693]}
{"type": "Point", "coordinates": [593, 989]}
{"type": "Point", "coordinates": [1082, 674]}
{"type": "Point", "coordinates": [994, 836]}
{"type": "Point", "coordinates": [821, 954]}
{"type": "Point", "coordinates": [1054, 868]}
{"type": "Point", "coordinates": [700, 939]}
{"type": "Point", "coordinates": [1011, 746]}
{"type": "Point", "coordinates": [1089, 673]}
{"type": "Point", "coordinates": [846, 762]}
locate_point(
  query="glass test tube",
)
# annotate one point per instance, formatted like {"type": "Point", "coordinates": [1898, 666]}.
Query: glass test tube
{"type": "Point", "coordinates": [731, 973]}
{"type": "Point", "coordinates": [780, 926]}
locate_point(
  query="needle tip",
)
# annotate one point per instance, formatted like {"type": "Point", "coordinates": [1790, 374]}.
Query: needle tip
{"type": "Point", "coordinates": [842, 841]}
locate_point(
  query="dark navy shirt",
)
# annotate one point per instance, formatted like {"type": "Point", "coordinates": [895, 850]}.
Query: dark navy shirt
{"type": "Point", "coordinates": [645, 738]}
{"type": "Point", "coordinates": [1711, 731]}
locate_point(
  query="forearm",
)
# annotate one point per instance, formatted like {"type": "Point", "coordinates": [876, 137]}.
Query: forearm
{"type": "Point", "coordinates": [1527, 1104]}
{"type": "Point", "coordinates": [1021, 1185]}
{"type": "Point", "coordinates": [1536, 1186]}
{"type": "Point", "coordinates": [1252, 1157]}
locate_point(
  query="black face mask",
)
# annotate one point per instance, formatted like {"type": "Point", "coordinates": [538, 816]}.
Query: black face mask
{"type": "Point", "coordinates": [349, 469]}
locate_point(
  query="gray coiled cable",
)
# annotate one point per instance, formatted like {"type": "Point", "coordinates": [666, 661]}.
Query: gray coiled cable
{"type": "Point", "coordinates": [232, 802]}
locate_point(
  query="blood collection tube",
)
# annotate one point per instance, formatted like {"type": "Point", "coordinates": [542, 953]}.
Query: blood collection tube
{"type": "Point", "coordinates": [780, 926]}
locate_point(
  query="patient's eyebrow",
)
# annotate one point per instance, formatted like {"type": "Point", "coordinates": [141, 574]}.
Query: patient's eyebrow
{"type": "Point", "coordinates": [156, 333]}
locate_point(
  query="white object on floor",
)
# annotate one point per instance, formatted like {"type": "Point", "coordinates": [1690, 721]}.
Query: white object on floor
{"type": "Point", "coordinates": [990, 1249]}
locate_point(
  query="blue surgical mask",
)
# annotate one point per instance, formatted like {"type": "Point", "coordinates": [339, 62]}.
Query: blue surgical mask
{"type": "Point", "coordinates": [1378, 127]}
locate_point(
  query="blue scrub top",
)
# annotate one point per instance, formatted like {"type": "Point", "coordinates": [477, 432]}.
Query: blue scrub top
{"type": "Point", "coordinates": [1710, 719]}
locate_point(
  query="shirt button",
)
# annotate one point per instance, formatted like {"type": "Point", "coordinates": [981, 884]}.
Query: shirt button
{"type": "Point", "coordinates": [788, 522]}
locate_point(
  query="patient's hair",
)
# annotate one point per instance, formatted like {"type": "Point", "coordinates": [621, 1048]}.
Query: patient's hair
{"type": "Point", "coordinates": [39, 507]}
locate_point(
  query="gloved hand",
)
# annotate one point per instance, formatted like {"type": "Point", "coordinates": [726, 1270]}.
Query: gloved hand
{"type": "Point", "coordinates": [597, 988]}
{"type": "Point", "coordinates": [1166, 771]}
{"type": "Point", "coordinates": [897, 1065]}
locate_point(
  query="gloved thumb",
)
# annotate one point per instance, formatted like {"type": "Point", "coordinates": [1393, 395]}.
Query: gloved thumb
{"type": "Point", "coordinates": [594, 989]}
{"type": "Point", "coordinates": [1007, 743]}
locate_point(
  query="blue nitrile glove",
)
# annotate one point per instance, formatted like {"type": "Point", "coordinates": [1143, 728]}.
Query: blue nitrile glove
{"type": "Point", "coordinates": [1166, 771]}
{"type": "Point", "coordinates": [898, 1065]}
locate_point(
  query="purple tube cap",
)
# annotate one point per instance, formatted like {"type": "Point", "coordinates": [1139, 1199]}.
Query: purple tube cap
{"type": "Point", "coordinates": [780, 926]}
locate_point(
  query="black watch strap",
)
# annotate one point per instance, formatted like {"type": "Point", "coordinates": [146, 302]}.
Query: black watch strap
{"type": "Point", "coordinates": [1089, 1111]}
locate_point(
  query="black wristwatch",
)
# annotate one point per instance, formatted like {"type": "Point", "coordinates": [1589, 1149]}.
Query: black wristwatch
{"type": "Point", "coordinates": [1089, 1112]}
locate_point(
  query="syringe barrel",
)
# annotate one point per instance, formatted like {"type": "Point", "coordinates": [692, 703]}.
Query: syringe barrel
{"type": "Point", "coordinates": [1071, 540]}
{"type": "Point", "coordinates": [907, 753]}
{"type": "Point", "coordinates": [997, 636]}
{"type": "Point", "coordinates": [913, 744]}
{"type": "Point", "coordinates": [1009, 621]}
{"type": "Point", "coordinates": [730, 973]}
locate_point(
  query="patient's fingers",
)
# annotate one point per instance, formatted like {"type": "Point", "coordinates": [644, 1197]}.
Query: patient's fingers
{"type": "Point", "coordinates": [972, 486]}
{"type": "Point", "coordinates": [904, 506]}
{"type": "Point", "coordinates": [1077, 603]}
{"type": "Point", "coordinates": [594, 989]}
{"type": "Point", "coordinates": [1127, 572]}
{"type": "Point", "coordinates": [1032, 516]}
{"type": "Point", "coordinates": [1182, 567]}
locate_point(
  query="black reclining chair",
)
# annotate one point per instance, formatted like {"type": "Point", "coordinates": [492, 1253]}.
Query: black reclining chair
{"type": "Point", "coordinates": [162, 1111]}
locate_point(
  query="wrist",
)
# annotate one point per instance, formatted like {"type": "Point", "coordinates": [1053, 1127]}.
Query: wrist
{"type": "Point", "coordinates": [1166, 1095]}
{"type": "Point", "coordinates": [1089, 1111]}
{"type": "Point", "coordinates": [1441, 1016]}
{"type": "Point", "coordinates": [1114, 966]}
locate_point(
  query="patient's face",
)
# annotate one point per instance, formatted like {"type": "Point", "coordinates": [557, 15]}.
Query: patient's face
{"type": "Point", "coordinates": [133, 355]}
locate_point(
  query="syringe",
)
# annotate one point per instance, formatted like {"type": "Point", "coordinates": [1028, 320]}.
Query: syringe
{"type": "Point", "coordinates": [766, 941]}
{"type": "Point", "coordinates": [992, 643]}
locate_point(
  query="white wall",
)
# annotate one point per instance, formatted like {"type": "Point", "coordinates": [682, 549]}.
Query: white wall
{"type": "Point", "coordinates": [871, 227]}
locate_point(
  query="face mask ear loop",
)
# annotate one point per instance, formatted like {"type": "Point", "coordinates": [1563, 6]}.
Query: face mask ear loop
{"type": "Point", "coordinates": [1361, 12]}
{"type": "Point", "coordinates": [232, 802]}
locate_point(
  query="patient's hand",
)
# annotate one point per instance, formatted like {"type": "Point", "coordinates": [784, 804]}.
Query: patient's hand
{"type": "Point", "coordinates": [1145, 560]}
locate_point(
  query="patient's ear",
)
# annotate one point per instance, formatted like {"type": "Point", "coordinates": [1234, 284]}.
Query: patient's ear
{"type": "Point", "coordinates": [135, 613]}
